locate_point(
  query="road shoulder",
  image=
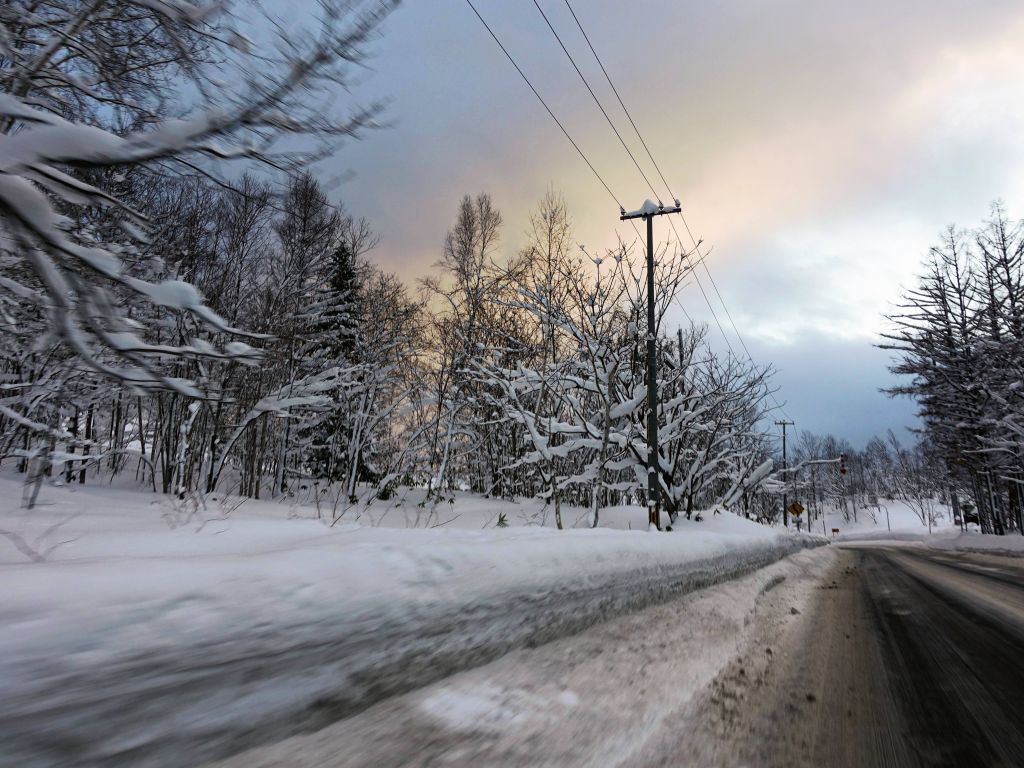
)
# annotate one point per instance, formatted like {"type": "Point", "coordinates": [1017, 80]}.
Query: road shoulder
{"type": "Point", "coordinates": [906, 657]}
{"type": "Point", "coordinates": [760, 710]}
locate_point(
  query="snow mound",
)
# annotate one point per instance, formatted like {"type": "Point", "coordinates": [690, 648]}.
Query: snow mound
{"type": "Point", "coordinates": [1011, 544]}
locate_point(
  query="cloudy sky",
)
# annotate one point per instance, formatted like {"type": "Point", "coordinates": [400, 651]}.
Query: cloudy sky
{"type": "Point", "coordinates": [817, 146]}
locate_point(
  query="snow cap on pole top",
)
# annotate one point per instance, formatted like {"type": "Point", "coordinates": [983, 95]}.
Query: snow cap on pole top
{"type": "Point", "coordinates": [649, 208]}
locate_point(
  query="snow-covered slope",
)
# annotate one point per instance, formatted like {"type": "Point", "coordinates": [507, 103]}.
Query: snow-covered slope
{"type": "Point", "coordinates": [905, 526]}
{"type": "Point", "coordinates": [136, 642]}
{"type": "Point", "coordinates": [890, 517]}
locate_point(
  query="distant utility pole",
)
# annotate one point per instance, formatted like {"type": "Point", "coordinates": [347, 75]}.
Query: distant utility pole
{"type": "Point", "coordinates": [647, 212]}
{"type": "Point", "coordinates": [785, 501]}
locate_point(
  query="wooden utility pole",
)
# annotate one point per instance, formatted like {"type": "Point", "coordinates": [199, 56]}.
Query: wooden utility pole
{"type": "Point", "coordinates": [647, 212]}
{"type": "Point", "coordinates": [785, 500]}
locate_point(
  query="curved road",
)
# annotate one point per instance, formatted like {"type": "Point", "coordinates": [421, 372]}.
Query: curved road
{"type": "Point", "coordinates": [908, 657]}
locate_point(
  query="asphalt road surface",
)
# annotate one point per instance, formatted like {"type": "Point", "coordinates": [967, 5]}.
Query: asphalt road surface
{"type": "Point", "coordinates": [907, 657]}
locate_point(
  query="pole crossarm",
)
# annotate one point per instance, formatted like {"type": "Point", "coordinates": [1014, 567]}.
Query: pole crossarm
{"type": "Point", "coordinates": [649, 209]}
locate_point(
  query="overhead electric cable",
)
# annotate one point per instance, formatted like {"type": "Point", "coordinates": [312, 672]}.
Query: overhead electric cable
{"type": "Point", "coordinates": [545, 104]}
{"type": "Point", "coordinates": [597, 100]}
{"type": "Point", "coordinates": [739, 336]}
{"type": "Point", "coordinates": [715, 286]}
{"type": "Point", "coordinates": [603, 183]}
{"type": "Point", "coordinates": [650, 155]}
{"type": "Point", "coordinates": [621, 102]}
{"type": "Point", "coordinates": [700, 286]}
{"type": "Point", "coordinates": [639, 135]}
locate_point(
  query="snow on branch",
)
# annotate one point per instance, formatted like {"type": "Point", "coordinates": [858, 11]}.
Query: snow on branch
{"type": "Point", "coordinates": [77, 63]}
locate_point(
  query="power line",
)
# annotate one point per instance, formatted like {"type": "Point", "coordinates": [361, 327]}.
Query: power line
{"type": "Point", "coordinates": [668, 186]}
{"type": "Point", "coordinates": [649, 154]}
{"type": "Point", "coordinates": [604, 184]}
{"type": "Point", "coordinates": [624, 145]}
{"type": "Point", "coordinates": [545, 104]}
{"type": "Point", "coordinates": [721, 330]}
{"type": "Point", "coordinates": [700, 286]}
{"type": "Point", "coordinates": [715, 286]}
{"type": "Point", "coordinates": [739, 336]}
{"type": "Point", "coordinates": [621, 102]}
{"type": "Point", "coordinates": [702, 259]}
{"type": "Point", "coordinates": [596, 100]}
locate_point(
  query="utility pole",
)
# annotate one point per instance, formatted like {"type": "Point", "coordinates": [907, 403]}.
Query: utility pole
{"type": "Point", "coordinates": [647, 212]}
{"type": "Point", "coordinates": [785, 501]}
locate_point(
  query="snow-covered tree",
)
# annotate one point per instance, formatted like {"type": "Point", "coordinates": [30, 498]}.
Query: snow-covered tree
{"type": "Point", "coordinates": [461, 298]}
{"type": "Point", "coordinates": [85, 92]}
{"type": "Point", "coordinates": [579, 393]}
{"type": "Point", "coordinates": [959, 336]}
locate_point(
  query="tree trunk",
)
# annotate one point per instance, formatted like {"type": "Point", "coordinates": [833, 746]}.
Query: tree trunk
{"type": "Point", "coordinates": [69, 470]}
{"type": "Point", "coordinates": [88, 439]}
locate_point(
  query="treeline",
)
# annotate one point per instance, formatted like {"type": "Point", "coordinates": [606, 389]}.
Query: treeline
{"type": "Point", "coordinates": [520, 377]}
{"type": "Point", "coordinates": [537, 376]}
{"type": "Point", "coordinates": [172, 320]}
{"type": "Point", "coordinates": [959, 338]}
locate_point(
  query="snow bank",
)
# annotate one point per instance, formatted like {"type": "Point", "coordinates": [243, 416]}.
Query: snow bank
{"type": "Point", "coordinates": [904, 526]}
{"type": "Point", "coordinates": [1011, 544]}
{"type": "Point", "coordinates": [148, 646]}
{"type": "Point", "coordinates": [622, 693]}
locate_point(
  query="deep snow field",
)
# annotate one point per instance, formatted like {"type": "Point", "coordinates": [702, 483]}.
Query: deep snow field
{"type": "Point", "coordinates": [87, 524]}
{"type": "Point", "coordinates": [874, 520]}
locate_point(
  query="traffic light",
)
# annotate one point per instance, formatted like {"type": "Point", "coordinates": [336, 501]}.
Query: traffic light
{"type": "Point", "coordinates": [842, 463]}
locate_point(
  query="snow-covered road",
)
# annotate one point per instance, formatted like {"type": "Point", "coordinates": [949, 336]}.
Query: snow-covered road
{"type": "Point", "coordinates": [907, 657]}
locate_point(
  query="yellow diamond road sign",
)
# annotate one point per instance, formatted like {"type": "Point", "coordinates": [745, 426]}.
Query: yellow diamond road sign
{"type": "Point", "coordinates": [795, 509]}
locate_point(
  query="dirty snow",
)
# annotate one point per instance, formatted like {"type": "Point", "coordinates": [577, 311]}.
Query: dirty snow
{"type": "Point", "coordinates": [618, 694]}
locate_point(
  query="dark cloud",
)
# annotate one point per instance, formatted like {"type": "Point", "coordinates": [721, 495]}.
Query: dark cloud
{"type": "Point", "coordinates": [830, 385]}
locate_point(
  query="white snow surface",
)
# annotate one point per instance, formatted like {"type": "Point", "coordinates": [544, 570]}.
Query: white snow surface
{"type": "Point", "coordinates": [133, 641]}
{"type": "Point", "coordinates": [972, 541]}
{"type": "Point", "coordinates": [872, 521]}
{"type": "Point", "coordinates": [904, 526]}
